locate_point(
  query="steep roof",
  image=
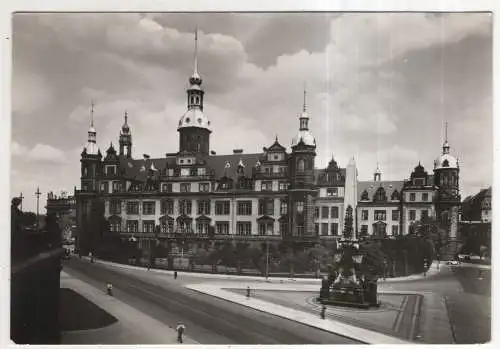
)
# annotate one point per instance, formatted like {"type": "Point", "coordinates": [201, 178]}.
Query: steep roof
{"type": "Point", "coordinates": [217, 163]}
{"type": "Point", "coordinates": [371, 187]}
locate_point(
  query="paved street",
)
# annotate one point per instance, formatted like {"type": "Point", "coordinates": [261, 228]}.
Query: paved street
{"type": "Point", "coordinates": [208, 320]}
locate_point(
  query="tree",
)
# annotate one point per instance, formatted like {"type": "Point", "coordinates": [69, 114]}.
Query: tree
{"type": "Point", "coordinates": [348, 223]}
{"type": "Point", "coordinates": [432, 230]}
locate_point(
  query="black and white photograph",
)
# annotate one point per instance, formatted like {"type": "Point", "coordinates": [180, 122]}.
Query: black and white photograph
{"type": "Point", "coordinates": [251, 178]}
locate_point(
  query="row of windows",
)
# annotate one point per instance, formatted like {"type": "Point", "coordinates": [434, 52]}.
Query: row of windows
{"type": "Point", "coordinates": [327, 212]}
{"type": "Point", "coordinates": [381, 230]}
{"type": "Point", "coordinates": [334, 228]}
{"type": "Point", "coordinates": [413, 197]}
{"type": "Point", "coordinates": [381, 215]}
{"type": "Point", "coordinates": [222, 207]}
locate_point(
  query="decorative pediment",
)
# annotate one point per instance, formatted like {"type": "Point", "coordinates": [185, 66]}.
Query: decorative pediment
{"type": "Point", "coordinates": [364, 195]}
{"type": "Point", "coordinates": [114, 219]}
{"type": "Point", "coordinates": [265, 219]}
{"type": "Point", "coordinates": [203, 219]}
{"type": "Point", "coordinates": [395, 195]}
{"type": "Point", "coordinates": [283, 219]}
{"type": "Point", "coordinates": [184, 218]}
{"type": "Point", "coordinates": [380, 195]}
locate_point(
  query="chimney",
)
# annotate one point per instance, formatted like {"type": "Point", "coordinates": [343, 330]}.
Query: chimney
{"type": "Point", "coordinates": [237, 151]}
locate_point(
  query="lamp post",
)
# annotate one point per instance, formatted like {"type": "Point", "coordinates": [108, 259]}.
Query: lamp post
{"type": "Point", "coordinates": [37, 193]}
{"type": "Point", "coordinates": [21, 197]}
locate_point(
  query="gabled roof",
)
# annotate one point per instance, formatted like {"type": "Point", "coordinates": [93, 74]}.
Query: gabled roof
{"type": "Point", "coordinates": [371, 187]}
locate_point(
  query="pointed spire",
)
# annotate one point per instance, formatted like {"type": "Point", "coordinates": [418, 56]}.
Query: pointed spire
{"type": "Point", "coordinates": [126, 116]}
{"type": "Point", "coordinates": [196, 51]}
{"type": "Point", "coordinates": [446, 145]}
{"type": "Point", "coordinates": [92, 113]}
{"type": "Point", "coordinates": [305, 98]}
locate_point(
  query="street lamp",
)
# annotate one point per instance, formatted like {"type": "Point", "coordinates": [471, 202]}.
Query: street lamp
{"type": "Point", "coordinates": [37, 193]}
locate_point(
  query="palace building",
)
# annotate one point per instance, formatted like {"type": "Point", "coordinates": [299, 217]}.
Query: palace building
{"type": "Point", "coordinates": [273, 195]}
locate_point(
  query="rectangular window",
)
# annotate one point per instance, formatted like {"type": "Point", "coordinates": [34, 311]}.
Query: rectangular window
{"type": "Point", "coordinates": [424, 214]}
{"type": "Point", "coordinates": [170, 172]}
{"type": "Point", "coordinates": [222, 208]}
{"type": "Point", "coordinates": [282, 185]}
{"type": "Point", "coordinates": [222, 228]}
{"type": "Point", "coordinates": [115, 207]}
{"type": "Point", "coordinates": [148, 207]}
{"type": "Point", "coordinates": [364, 230]}
{"type": "Point", "coordinates": [167, 207]}
{"type": "Point", "coordinates": [116, 186]}
{"type": "Point", "coordinates": [413, 215]}
{"type": "Point", "coordinates": [267, 186]}
{"type": "Point", "coordinates": [419, 181]}
{"type": "Point", "coordinates": [283, 207]}
{"type": "Point", "coordinates": [185, 207]}
{"type": "Point", "coordinates": [110, 170]}
{"type": "Point", "coordinates": [185, 172]}
{"type": "Point", "coordinates": [202, 228]}
{"type": "Point", "coordinates": [380, 215]}
{"type": "Point", "coordinates": [244, 228]}
{"type": "Point", "coordinates": [185, 187]}
{"type": "Point", "coordinates": [299, 206]}
{"type": "Point", "coordinates": [266, 207]}
{"type": "Point", "coordinates": [266, 228]}
{"type": "Point", "coordinates": [324, 212]}
{"type": "Point", "coordinates": [204, 187]}
{"type": "Point", "coordinates": [148, 226]}
{"type": "Point", "coordinates": [201, 171]}
{"type": "Point", "coordinates": [332, 192]}
{"type": "Point", "coordinates": [364, 215]}
{"type": "Point", "coordinates": [425, 197]}
{"type": "Point", "coordinates": [316, 229]}
{"type": "Point", "coordinates": [133, 207]}
{"type": "Point", "coordinates": [132, 226]}
{"type": "Point", "coordinates": [412, 196]}
{"type": "Point", "coordinates": [316, 212]}
{"type": "Point", "coordinates": [395, 230]}
{"type": "Point", "coordinates": [104, 187]}
{"type": "Point", "coordinates": [166, 187]}
{"type": "Point", "coordinates": [334, 228]}
{"type": "Point", "coordinates": [395, 215]}
{"type": "Point", "coordinates": [324, 228]}
{"type": "Point", "coordinates": [244, 208]}
{"type": "Point", "coordinates": [203, 207]}
{"type": "Point", "coordinates": [335, 212]}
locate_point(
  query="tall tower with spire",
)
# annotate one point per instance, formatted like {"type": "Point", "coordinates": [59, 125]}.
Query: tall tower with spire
{"type": "Point", "coordinates": [90, 158]}
{"type": "Point", "coordinates": [302, 191]}
{"type": "Point", "coordinates": [194, 127]}
{"type": "Point", "coordinates": [125, 139]}
{"type": "Point", "coordinates": [446, 179]}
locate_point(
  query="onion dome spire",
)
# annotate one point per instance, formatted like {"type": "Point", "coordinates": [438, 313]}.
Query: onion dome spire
{"type": "Point", "coordinates": [125, 127]}
{"type": "Point", "coordinates": [446, 145]}
{"type": "Point", "coordinates": [91, 148]}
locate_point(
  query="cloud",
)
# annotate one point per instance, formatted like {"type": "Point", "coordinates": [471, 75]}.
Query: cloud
{"type": "Point", "coordinates": [30, 92]}
{"type": "Point", "coordinates": [47, 153]}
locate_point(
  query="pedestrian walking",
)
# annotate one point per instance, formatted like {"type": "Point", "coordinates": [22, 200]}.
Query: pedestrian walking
{"type": "Point", "coordinates": [248, 291]}
{"type": "Point", "coordinates": [180, 331]}
{"type": "Point", "coordinates": [149, 266]}
{"type": "Point", "coordinates": [91, 256]}
{"type": "Point", "coordinates": [323, 312]}
{"type": "Point", "coordinates": [175, 275]}
{"type": "Point", "coordinates": [109, 288]}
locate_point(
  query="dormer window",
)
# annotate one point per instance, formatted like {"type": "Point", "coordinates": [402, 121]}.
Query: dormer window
{"type": "Point", "coordinates": [380, 195]}
{"type": "Point", "coordinates": [395, 195]}
{"type": "Point", "coordinates": [364, 195]}
{"type": "Point", "coordinates": [446, 163]}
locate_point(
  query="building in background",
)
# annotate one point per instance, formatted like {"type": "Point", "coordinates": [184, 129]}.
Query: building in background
{"type": "Point", "coordinates": [274, 195]}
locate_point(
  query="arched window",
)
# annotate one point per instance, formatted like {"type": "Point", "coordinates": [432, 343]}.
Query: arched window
{"type": "Point", "coordinates": [301, 165]}
{"type": "Point", "coordinates": [300, 207]}
{"type": "Point", "coordinates": [192, 100]}
{"type": "Point", "coordinates": [197, 100]}
{"type": "Point", "coordinates": [364, 195]}
{"type": "Point", "coordinates": [395, 195]}
{"type": "Point", "coordinates": [380, 195]}
{"type": "Point", "coordinates": [446, 163]}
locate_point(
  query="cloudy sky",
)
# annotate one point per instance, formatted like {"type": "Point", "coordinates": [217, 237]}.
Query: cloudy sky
{"type": "Point", "coordinates": [380, 87]}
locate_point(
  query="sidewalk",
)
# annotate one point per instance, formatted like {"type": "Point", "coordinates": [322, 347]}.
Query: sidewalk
{"type": "Point", "coordinates": [330, 325]}
{"type": "Point", "coordinates": [133, 326]}
{"type": "Point", "coordinates": [432, 271]}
